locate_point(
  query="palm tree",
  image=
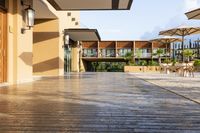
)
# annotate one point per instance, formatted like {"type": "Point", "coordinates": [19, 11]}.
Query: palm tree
{"type": "Point", "coordinates": [139, 54]}
{"type": "Point", "coordinates": [188, 53]}
{"type": "Point", "coordinates": [159, 52]}
{"type": "Point", "coordinates": [129, 57]}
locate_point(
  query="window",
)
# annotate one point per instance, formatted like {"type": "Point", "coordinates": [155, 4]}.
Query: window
{"type": "Point", "coordinates": [89, 53]}
{"type": "Point", "coordinates": [76, 23]}
{"type": "Point", "coordinates": [69, 14]}
{"type": "Point", "coordinates": [73, 19]}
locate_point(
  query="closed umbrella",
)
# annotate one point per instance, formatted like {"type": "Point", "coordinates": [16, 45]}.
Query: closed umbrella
{"type": "Point", "coordinates": [181, 31]}
{"type": "Point", "coordinates": [194, 14]}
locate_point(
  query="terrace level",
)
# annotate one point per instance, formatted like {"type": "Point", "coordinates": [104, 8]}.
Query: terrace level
{"type": "Point", "coordinates": [118, 49]}
{"type": "Point", "coordinates": [97, 102]}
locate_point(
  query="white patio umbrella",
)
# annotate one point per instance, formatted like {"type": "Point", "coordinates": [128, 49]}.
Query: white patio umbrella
{"type": "Point", "coordinates": [194, 14]}
{"type": "Point", "coordinates": [166, 40]}
{"type": "Point", "coordinates": [181, 31]}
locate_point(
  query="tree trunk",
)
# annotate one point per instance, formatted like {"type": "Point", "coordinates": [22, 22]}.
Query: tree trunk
{"type": "Point", "coordinates": [159, 60]}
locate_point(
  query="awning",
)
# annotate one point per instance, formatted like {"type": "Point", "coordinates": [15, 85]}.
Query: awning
{"type": "Point", "coordinates": [91, 4]}
{"type": "Point", "coordinates": [42, 11]}
{"type": "Point", "coordinates": [83, 34]}
{"type": "Point", "coordinates": [195, 14]}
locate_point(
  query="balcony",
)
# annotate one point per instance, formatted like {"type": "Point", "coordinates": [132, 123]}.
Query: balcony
{"type": "Point", "coordinates": [146, 55]}
{"type": "Point", "coordinates": [89, 53]}
{"type": "Point", "coordinates": [123, 52]}
{"type": "Point", "coordinates": [107, 53]}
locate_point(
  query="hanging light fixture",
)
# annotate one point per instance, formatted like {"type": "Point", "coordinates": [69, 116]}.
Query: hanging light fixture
{"type": "Point", "coordinates": [29, 16]}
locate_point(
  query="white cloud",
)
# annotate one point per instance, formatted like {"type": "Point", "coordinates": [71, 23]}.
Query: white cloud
{"type": "Point", "coordinates": [191, 4]}
{"type": "Point", "coordinates": [176, 20]}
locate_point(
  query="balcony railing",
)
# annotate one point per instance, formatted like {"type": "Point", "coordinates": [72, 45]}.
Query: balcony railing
{"type": "Point", "coordinates": [146, 55]}
{"type": "Point", "coordinates": [123, 52]}
{"type": "Point", "coordinates": [89, 53]}
{"type": "Point", "coordinates": [107, 53]}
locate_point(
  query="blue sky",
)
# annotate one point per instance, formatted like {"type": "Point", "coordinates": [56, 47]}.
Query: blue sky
{"type": "Point", "coordinates": [145, 19]}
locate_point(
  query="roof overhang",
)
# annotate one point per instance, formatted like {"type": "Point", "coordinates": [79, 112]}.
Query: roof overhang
{"type": "Point", "coordinates": [42, 11]}
{"type": "Point", "coordinates": [91, 4]}
{"type": "Point", "coordinates": [83, 34]}
{"type": "Point", "coordinates": [194, 14]}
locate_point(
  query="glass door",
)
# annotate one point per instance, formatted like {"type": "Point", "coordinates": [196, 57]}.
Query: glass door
{"type": "Point", "coordinates": [67, 59]}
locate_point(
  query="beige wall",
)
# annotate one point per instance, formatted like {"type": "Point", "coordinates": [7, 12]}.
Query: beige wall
{"type": "Point", "coordinates": [75, 59]}
{"type": "Point", "coordinates": [83, 66]}
{"type": "Point", "coordinates": [48, 56]}
{"type": "Point", "coordinates": [19, 45]}
{"type": "Point", "coordinates": [45, 47]}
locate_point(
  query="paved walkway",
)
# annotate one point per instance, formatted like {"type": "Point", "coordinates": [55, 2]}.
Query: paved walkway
{"type": "Point", "coordinates": [187, 87]}
{"type": "Point", "coordinates": [96, 102]}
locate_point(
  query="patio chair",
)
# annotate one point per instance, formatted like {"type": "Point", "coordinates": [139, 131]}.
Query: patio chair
{"type": "Point", "coordinates": [179, 67]}
{"type": "Point", "coordinates": [162, 67]}
{"type": "Point", "coordinates": [165, 68]}
{"type": "Point", "coordinates": [188, 70]}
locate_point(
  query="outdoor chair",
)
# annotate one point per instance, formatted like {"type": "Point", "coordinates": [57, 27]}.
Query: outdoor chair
{"type": "Point", "coordinates": [165, 68]}
{"type": "Point", "coordinates": [179, 69]}
{"type": "Point", "coordinates": [188, 70]}
{"type": "Point", "coordinates": [162, 67]}
{"type": "Point", "coordinates": [185, 69]}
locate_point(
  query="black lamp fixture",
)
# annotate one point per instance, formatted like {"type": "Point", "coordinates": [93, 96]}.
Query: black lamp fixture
{"type": "Point", "coordinates": [29, 16]}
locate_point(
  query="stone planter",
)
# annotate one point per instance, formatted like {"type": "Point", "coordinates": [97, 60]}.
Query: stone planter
{"type": "Point", "coordinates": [141, 69]}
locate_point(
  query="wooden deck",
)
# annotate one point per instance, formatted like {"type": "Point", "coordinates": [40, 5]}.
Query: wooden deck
{"type": "Point", "coordinates": [95, 102]}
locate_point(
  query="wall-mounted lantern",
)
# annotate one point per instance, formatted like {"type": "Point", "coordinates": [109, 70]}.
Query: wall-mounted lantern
{"type": "Point", "coordinates": [29, 16]}
{"type": "Point", "coordinates": [67, 42]}
{"type": "Point", "coordinates": [66, 39]}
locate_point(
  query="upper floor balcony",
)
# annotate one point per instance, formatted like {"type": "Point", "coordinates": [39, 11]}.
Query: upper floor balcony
{"type": "Point", "coordinates": [123, 52]}
{"type": "Point", "coordinates": [89, 53]}
{"type": "Point", "coordinates": [143, 53]}
{"type": "Point", "coordinates": [107, 52]}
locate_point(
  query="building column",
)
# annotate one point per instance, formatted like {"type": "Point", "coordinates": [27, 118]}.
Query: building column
{"type": "Point", "coordinates": [134, 51]}
{"type": "Point", "coordinates": [116, 49]}
{"type": "Point", "coordinates": [152, 47]}
{"type": "Point", "coordinates": [75, 58]}
{"type": "Point", "coordinates": [19, 45]}
{"type": "Point", "coordinates": [98, 50]}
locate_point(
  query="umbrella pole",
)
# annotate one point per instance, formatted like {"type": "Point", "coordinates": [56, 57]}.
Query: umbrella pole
{"type": "Point", "coordinates": [182, 48]}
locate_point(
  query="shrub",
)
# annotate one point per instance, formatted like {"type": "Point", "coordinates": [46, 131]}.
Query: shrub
{"type": "Point", "coordinates": [188, 53]}
{"type": "Point", "coordinates": [142, 63]}
{"type": "Point", "coordinates": [197, 63]}
{"type": "Point", "coordinates": [167, 61]}
{"type": "Point", "coordinates": [153, 63]}
{"type": "Point", "coordinates": [174, 62]}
